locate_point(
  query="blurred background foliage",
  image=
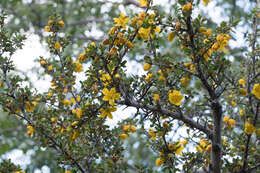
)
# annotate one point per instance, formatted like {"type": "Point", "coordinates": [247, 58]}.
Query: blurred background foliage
{"type": "Point", "coordinates": [83, 18]}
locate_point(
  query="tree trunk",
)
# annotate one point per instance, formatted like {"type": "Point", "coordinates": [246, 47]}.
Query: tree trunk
{"type": "Point", "coordinates": [215, 166]}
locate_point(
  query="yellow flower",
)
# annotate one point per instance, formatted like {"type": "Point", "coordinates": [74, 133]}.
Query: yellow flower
{"type": "Point", "coordinates": [159, 162]}
{"type": "Point", "coordinates": [68, 171]}
{"type": "Point", "coordinates": [144, 32]}
{"type": "Point", "coordinates": [82, 56]}
{"type": "Point", "coordinates": [30, 130]}
{"type": "Point", "coordinates": [242, 82]}
{"type": "Point", "coordinates": [43, 63]}
{"type": "Point", "coordinates": [126, 128]}
{"type": "Point", "coordinates": [156, 97]}
{"type": "Point", "coordinates": [148, 77]}
{"type": "Point", "coordinates": [256, 90]}
{"type": "Point", "coordinates": [123, 136]}
{"type": "Point", "coordinates": [121, 21]}
{"type": "Point", "coordinates": [184, 81]}
{"type": "Point", "coordinates": [78, 67]}
{"type": "Point", "coordinates": [110, 96]}
{"type": "Point", "coordinates": [249, 128]}
{"type": "Point", "coordinates": [225, 119]}
{"type": "Point", "coordinates": [187, 7]}
{"type": "Point", "coordinates": [74, 123]}
{"type": "Point", "coordinates": [205, 2]}
{"type": "Point", "coordinates": [133, 129]}
{"type": "Point", "coordinates": [243, 91]}
{"type": "Point", "coordinates": [78, 112]}
{"type": "Point", "coordinates": [66, 102]}
{"type": "Point", "coordinates": [175, 97]}
{"type": "Point", "coordinates": [147, 66]}
{"type": "Point", "coordinates": [30, 106]}
{"type": "Point", "coordinates": [106, 112]}
{"type": "Point", "coordinates": [203, 142]}
{"type": "Point", "coordinates": [50, 67]}
{"type": "Point", "coordinates": [143, 3]}
{"type": "Point", "coordinates": [47, 29]}
{"type": "Point", "coordinates": [233, 104]}
{"type": "Point", "coordinates": [61, 23]}
{"type": "Point", "coordinates": [152, 133]}
{"type": "Point", "coordinates": [241, 112]}
{"type": "Point", "coordinates": [171, 36]}
{"type": "Point", "coordinates": [57, 46]}
{"type": "Point", "coordinates": [50, 22]}
{"type": "Point", "coordinates": [232, 122]}
{"type": "Point", "coordinates": [198, 148]}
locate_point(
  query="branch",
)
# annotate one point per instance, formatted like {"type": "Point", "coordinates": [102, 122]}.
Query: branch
{"type": "Point", "coordinates": [129, 101]}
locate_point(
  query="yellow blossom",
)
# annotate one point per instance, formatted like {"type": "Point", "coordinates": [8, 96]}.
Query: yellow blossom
{"type": "Point", "coordinates": [243, 91]}
{"type": "Point", "coordinates": [106, 112]}
{"type": "Point", "coordinates": [242, 82]}
{"type": "Point", "coordinates": [156, 97]}
{"type": "Point", "coordinates": [249, 128]}
{"type": "Point", "coordinates": [126, 128]}
{"type": "Point", "coordinates": [61, 23]}
{"type": "Point", "coordinates": [29, 107]}
{"type": "Point", "coordinates": [123, 136]}
{"type": "Point", "coordinates": [68, 171]}
{"type": "Point", "coordinates": [82, 56]}
{"type": "Point", "coordinates": [171, 36]}
{"type": "Point", "coordinates": [43, 63]}
{"type": "Point", "coordinates": [121, 21]}
{"type": "Point", "coordinates": [159, 161]}
{"type": "Point", "coordinates": [144, 32]}
{"type": "Point", "coordinates": [47, 29]}
{"type": "Point", "coordinates": [232, 122]}
{"type": "Point", "coordinates": [143, 3]}
{"type": "Point", "coordinates": [50, 22]}
{"type": "Point", "coordinates": [187, 7]}
{"type": "Point", "coordinates": [78, 67]}
{"type": "Point", "coordinates": [225, 119]}
{"type": "Point", "coordinates": [111, 95]}
{"type": "Point", "coordinates": [233, 104]}
{"type": "Point", "coordinates": [148, 77]}
{"type": "Point", "coordinates": [241, 112]}
{"type": "Point", "coordinates": [256, 90]}
{"type": "Point", "coordinates": [147, 66]}
{"type": "Point", "coordinates": [50, 67]}
{"type": "Point", "coordinates": [175, 97]}
{"type": "Point", "coordinates": [133, 129]}
{"type": "Point", "coordinates": [30, 130]}
{"type": "Point", "coordinates": [57, 46]}
{"type": "Point", "coordinates": [66, 102]}
{"type": "Point", "coordinates": [78, 112]}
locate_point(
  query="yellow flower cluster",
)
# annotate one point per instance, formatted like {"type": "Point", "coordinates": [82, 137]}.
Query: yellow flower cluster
{"type": "Point", "coordinates": [147, 66]}
{"type": "Point", "coordinates": [229, 122]}
{"type": "Point", "coordinates": [127, 129]}
{"type": "Point", "coordinates": [175, 97]}
{"type": "Point", "coordinates": [221, 43]}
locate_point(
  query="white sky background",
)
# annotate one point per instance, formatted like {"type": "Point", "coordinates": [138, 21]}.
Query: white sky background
{"type": "Point", "coordinates": [32, 50]}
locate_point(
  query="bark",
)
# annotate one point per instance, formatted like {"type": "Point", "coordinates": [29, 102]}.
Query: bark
{"type": "Point", "coordinates": [216, 140]}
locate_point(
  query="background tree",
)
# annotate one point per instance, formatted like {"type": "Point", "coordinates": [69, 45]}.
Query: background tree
{"type": "Point", "coordinates": [194, 85]}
